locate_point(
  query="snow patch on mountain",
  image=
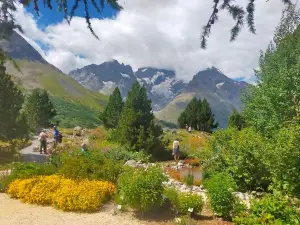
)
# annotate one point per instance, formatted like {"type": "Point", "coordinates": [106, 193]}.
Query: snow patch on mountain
{"type": "Point", "coordinates": [164, 88]}
{"type": "Point", "coordinates": [147, 80]}
{"type": "Point", "coordinates": [143, 70]}
{"type": "Point", "coordinates": [219, 85]}
{"type": "Point", "coordinates": [156, 75]}
{"type": "Point", "coordinates": [125, 75]}
{"type": "Point", "coordinates": [108, 87]}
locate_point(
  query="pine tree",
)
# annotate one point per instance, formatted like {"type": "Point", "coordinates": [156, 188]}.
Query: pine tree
{"type": "Point", "coordinates": [39, 109]}
{"type": "Point", "coordinates": [236, 120]}
{"type": "Point", "coordinates": [136, 127]}
{"type": "Point", "coordinates": [207, 118]}
{"type": "Point", "coordinates": [111, 114]}
{"type": "Point", "coordinates": [11, 100]}
{"type": "Point", "coordinates": [198, 115]}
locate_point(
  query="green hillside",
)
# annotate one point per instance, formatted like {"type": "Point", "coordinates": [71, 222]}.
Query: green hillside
{"type": "Point", "coordinates": [172, 111]}
{"type": "Point", "coordinates": [220, 107]}
{"type": "Point", "coordinates": [75, 104]}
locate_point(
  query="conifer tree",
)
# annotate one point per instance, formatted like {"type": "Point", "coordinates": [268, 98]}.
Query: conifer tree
{"type": "Point", "coordinates": [236, 120]}
{"type": "Point", "coordinates": [136, 127]}
{"type": "Point", "coordinates": [11, 100]}
{"type": "Point", "coordinates": [198, 115]}
{"type": "Point", "coordinates": [207, 118]}
{"type": "Point", "coordinates": [111, 114]}
{"type": "Point", "coordinates": [39, 109]}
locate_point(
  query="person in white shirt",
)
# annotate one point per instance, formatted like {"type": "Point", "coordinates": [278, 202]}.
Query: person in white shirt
{"type": "Point", "coordinates": [190, 129]}
{"type": "Point", "coordinates": [43, 141]}
{"type": "Point", "coordinates": [176, 152]}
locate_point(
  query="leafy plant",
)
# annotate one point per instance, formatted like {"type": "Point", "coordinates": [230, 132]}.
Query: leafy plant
{"type": "Point", "coordinates": [184, 220]}
{"type": "Point", "coordinates": [184, 203]}
{"type": "Point", "coordinates": [271, 209]}
{"type": "Point", "coordinates": [141, 189]}
{"type": "Point", "coordinates": [220, 189]}
{"type": "Point", "coordinates": [25, 170]}
{"type": "Point", "coordinates": [93, 165]}
{"type": "Point", "coordinates": [121, 153]}
{"type": "Point", "coordinates": [244, 153]}
{"type": "Point", "coordinates": [189, 179]}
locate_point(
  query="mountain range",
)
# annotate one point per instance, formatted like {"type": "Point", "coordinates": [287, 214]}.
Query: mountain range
{"type": "Point", "coordinates": [80, 95]}
{"type": "Point", "coordinates": [169, 94]}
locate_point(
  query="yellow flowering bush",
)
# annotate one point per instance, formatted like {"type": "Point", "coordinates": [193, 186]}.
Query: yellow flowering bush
{"type": "Point", "coordinates": [88, 195]}
{"type": "Point", "coordinates": [62, 193]}
{"type": "Point", "coordinates": [43, 190]}
{"type": "Point", "coordinates": [21, 188]}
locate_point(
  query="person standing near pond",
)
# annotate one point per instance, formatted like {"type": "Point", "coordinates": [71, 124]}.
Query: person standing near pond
{"type": "Point", "coordinates": [176, 152]}
{"type": "Point", "coordinates": [43, 141]}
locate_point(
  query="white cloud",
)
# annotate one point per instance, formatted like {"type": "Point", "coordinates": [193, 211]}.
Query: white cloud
{"type": "Point", "coordinates": [158, 33]}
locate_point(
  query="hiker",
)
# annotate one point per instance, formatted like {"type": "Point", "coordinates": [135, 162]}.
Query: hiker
{"type": "Point", "coordinates": [57, 137]}
{"type": "Point", "coordinates": [84, 147]}
{"type": "Point", "coordinates": [190, 129]}
{"type": "Point", "coordinates": [43, 141]}
{"type": "Point", "coordinates": [176, 149]}
{"type": "Point", "coordinates": [187, 127]}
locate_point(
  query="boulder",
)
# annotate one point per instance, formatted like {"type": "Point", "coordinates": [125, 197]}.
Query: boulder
{"type": "Point", "coordinates": [131, 163]}
{"type": "Point", "coordinates": [77, 131]}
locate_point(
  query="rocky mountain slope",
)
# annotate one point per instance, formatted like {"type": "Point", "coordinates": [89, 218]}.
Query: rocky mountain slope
{"type": "Point", "coordinates": [222, 93]}
{"type": "Point", "coordinates": [75, 104]}
{"type": "Point", "coordinates": [161, 84]}
{"type": "Point", "coordinates": [169, 95]}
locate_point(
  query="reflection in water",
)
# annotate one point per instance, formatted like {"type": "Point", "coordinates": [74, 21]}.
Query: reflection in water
{"type": "Point", "coordinates": [195, 171]}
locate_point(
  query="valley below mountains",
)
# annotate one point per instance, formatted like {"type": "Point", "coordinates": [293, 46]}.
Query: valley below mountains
{"type": "Point", "coordinates": [82, 94]}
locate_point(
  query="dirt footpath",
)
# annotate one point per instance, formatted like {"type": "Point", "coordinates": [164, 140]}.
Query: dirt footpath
{"type": "Point", "coordinates": [13, 212]}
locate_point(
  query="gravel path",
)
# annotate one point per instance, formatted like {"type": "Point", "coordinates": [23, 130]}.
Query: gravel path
{"type": "Point", "coordinates": [28, 155]}
{"type": "Point", "coordinates": [13, 212]}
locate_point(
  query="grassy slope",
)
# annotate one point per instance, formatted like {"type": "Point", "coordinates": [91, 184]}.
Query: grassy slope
{"type": "Point", "coordinates": [75, 104]}
{"type": "Point", "coordinates": [172, 111]}
{"type": "Point", "coordinates": [220, 107]}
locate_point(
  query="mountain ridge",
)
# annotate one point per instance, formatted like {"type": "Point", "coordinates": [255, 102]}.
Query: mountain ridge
{"type": "Point", "coordinates": [75, 104]}
{"type": "Point", "coordinates": [163, 87]}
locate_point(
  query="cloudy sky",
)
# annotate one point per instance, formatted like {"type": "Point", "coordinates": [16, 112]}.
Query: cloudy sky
{"type": "Point", "coordinates": [156, 33]}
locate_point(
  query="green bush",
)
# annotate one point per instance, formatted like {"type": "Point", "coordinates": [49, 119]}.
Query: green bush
{"type": "Point", "coordinates": [121, 153]}
{"type": "Point", "coordinates": [220, 189]}
{"type": "Point", "coordinates": [184, 220]}
{"type": "Point", "coordinates": [189, 179]}
{"type": "Point", "coordinates": [284, 160]}
{"type": "Point", "coordinates": [25, 170]}
{"type": "Point", "coordinates": [244, 153]}
{"type": "Point", "coordinates": [268, 211]}
{"type": "Point", "coordinates": [183, 202]}
{"type": "Point", "coordinates": [93, 165]}
{"type": "Point", "coordinates": [141, 189]}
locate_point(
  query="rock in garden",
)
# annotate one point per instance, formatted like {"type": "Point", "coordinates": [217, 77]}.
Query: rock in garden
{"type": "Point", "coordinates": [131, 163]}
{"type": "Point", "coordinates": [77, 131]}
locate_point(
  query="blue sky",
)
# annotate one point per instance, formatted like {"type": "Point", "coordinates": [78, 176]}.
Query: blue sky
{"type": "Point", "coordinates": [48, 16]}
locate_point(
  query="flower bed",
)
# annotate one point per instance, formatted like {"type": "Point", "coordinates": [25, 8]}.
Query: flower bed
{"type": "Point", "coordinates": [66, 194]}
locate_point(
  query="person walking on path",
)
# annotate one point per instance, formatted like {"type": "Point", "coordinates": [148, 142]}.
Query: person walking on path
{"type": "Point", "coordinates": [56, 137]}
{"type": "Point", "coordinates": [187, 127]}
{"type": "Point", "coordinates": [190, 129]}
{"type": "Point", "coordinates": [176, 152]}
{"type": "Point", "coordinates": [43, 141]}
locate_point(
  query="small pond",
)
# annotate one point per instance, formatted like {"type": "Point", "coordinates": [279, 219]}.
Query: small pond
{"type": "Point", "coordinates": [195, 171]}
